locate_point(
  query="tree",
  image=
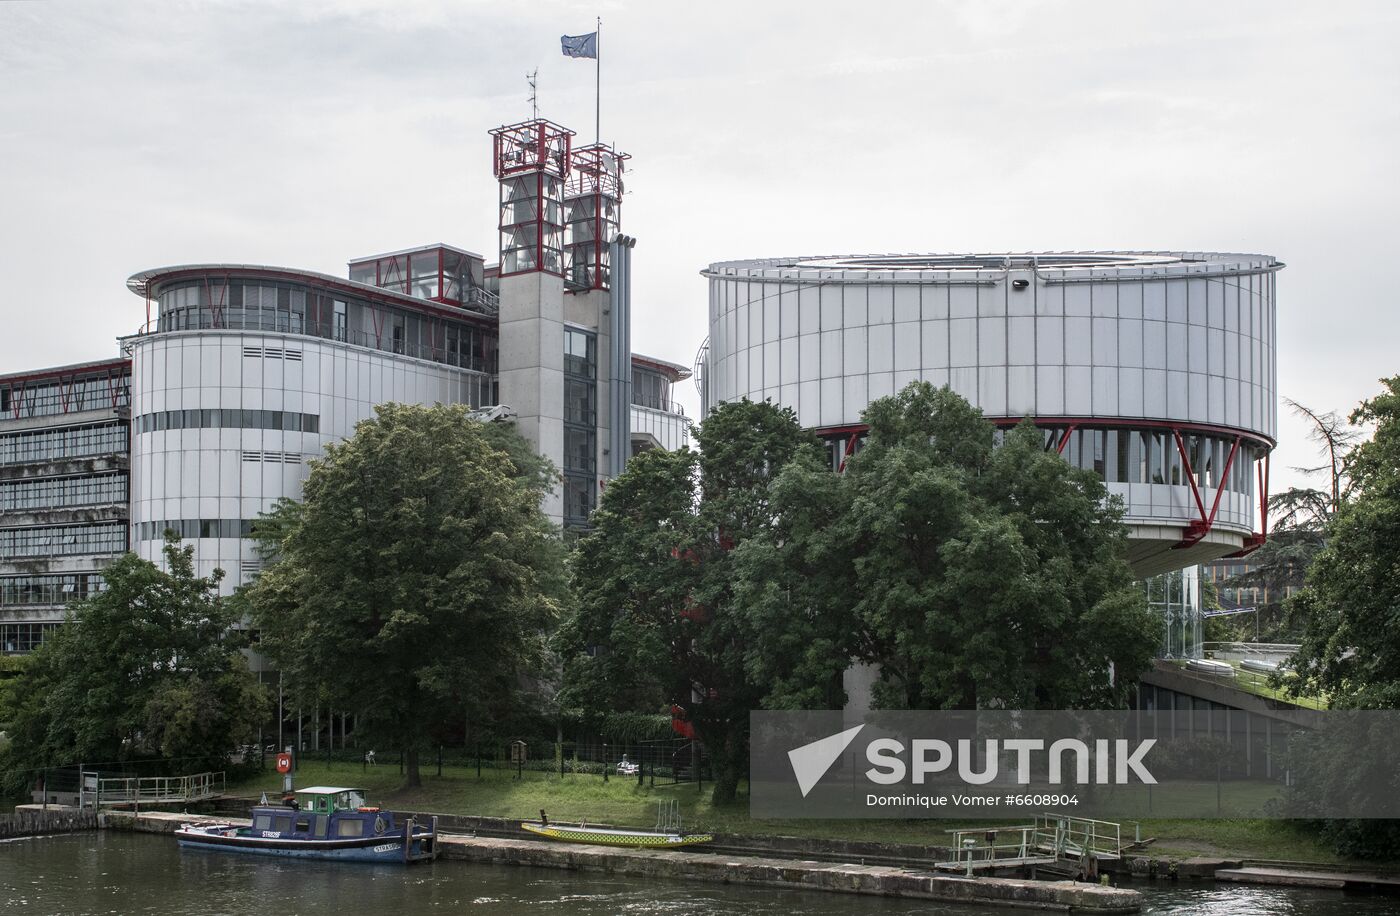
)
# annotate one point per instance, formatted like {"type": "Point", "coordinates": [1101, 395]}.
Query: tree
{"type": "Point", "coordinates": [1334, 438]}
{"type": "Point", "coordinates": [1300, 516]}
{"type": "Point", "coordinates": [969, 574]}
{"type": "Point", "coordinates": [149, 667]}
{"type": "Point", "coordinates": [658, 622]}
{"type": "Point", "coordinates": [1296, 535]}
{"type": "Point", "coordinates": [415, 581]}
{"type": "Point", "coordinates": [1351, 642]}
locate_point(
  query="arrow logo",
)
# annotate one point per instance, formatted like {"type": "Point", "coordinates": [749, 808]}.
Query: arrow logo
{"type": "Point", "coordinates": [811, 761]}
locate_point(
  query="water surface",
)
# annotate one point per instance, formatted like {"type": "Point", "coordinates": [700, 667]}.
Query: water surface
{"type": "Point", "coordinates": [108, 872]}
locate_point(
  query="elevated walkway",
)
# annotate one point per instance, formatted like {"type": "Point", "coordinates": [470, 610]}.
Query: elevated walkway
{"type": "Point", "coordinates": [1060, 842]}
{"type": "Point", "coordinates": [135, 791]}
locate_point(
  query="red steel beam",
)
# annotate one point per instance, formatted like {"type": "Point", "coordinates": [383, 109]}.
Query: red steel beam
{"type": "Point", "coordinates": [1190, 473]}
{"type": "Point", "coordinates": [850, 450]}
{"type": "Point", "coordinates": [1064, 439]}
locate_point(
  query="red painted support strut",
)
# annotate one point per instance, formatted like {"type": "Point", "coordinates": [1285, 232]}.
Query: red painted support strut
{"type": "Point", "coordinates": [1254, 541]}
{"type": "Point", "coordinates": [1064, 440]}
{"type": "Point", "coordinates": [850, 450]}
{"type": "Point", "coordinates": [1190, 477]}
{"type": "Point", "coordinates": [1197, 530]}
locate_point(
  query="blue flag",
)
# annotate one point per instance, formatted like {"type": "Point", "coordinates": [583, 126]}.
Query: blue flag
{"type": "Point", "coordinates": [580, 45]}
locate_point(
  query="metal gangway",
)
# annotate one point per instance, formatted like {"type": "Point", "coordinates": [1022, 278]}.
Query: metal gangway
{"type": "Point", "coordinates": [149, 790]}
{"type": "Point", "coordinates": [1052, 839]}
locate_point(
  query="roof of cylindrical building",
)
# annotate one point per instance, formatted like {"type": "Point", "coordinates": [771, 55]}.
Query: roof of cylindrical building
{"type": "Point", "coordinates": [1049, 266]}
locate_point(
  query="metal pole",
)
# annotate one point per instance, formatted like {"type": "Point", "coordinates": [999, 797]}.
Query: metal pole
{"type": "Point", "coordinates": [598, 83]}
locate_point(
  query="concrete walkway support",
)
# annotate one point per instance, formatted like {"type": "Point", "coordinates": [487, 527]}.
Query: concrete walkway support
{"type": "Point", "coordinates": [873, 880]}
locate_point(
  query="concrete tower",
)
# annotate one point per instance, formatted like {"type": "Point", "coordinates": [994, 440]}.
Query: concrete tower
{"type": "Point", "coordinates": [531, 161]}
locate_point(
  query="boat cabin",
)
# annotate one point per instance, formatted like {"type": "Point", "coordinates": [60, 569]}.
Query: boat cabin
{"type": "Point", "coordinates": [322, 813]}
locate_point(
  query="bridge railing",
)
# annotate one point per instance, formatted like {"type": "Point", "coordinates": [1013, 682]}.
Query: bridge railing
{"type": "Point", "coordinates": [987, 847]}
{"type": "Point", "coordinates": [1064, 834]}
{"type": "Point", "coordinates": [1250, 649]}
{"type": "Point", "coordinates": [157, 789]}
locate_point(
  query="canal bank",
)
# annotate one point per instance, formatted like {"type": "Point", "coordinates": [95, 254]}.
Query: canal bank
{"type": "Point", "coordinates": [790, 874]}
{"type": "Point", "coordinates": [868, 869]}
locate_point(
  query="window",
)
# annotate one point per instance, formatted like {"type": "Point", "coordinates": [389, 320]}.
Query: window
{"type": "Point", "coordinates": [262, 822]}
{"type": "Point", "coordinates": [62, 540]}
{"type": "Point", "coordinates": [651, 389]}
{"type": "Point", "coordinates": [188, 528]}
{"type": "Point", "coordinates": [63, 492]}
{"type": "Point", "coordinates": [54, 396]}
{"type": "Point", "coordinates": [56, 444]}
{"type": "Point", "coordinates": [302, 310]}
{"type": "Point", "coordinates": [580, 425]}
{"type": "Point", "coordinates": [349, 826]}
{"type": "Point", "coordinates": [580, 450]}
{"type": "Point", "coordinates": [282, 823]}
{"type": "Point", "coordinates": [580, 402]}
{"type": "Point", "coordinates": [18, 638]}
{"type": "Point", "coordinates": [580, 353]}
{"type": "Point", "coordinates": [228, 418]}
{"type": "Point", "coordinates": [56, 589]}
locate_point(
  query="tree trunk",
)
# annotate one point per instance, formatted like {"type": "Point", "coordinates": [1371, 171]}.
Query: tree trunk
{"type": "Point", "coordinates": [412, 779]}
{"type": "Point", "coordinates": [728, 759]}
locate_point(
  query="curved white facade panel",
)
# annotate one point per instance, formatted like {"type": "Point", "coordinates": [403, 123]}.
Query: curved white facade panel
{"type": "Point", "coordinates": [658, 429]}
{"type": "Point", "coordinates": [1138, 364]}
{"type": "Point", "coordinates": [223, 423]}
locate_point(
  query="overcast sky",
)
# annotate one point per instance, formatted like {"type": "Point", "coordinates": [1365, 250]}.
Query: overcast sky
{"type": "Point", "coordinates": [141, 134]}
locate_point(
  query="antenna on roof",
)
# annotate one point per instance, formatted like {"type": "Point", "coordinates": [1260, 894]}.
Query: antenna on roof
{"type": "Point", "coordinates": [533, 79]}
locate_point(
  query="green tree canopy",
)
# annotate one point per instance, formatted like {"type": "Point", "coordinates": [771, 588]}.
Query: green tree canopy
{"type": "Point", "coordinates": [416, 580]}
{"type": "Point", "coordinates": [1350, 608]}
{"type": "Point", "coordinates": [1297, 532]}
{"type": "Point", "coordinates": [148, 668]}
{"type": "Point", "coordinates": [751, 576]}
{"type": "Point", "coordinates": [967, 573]}
{"type": "Point", "coordinates": [657, 622]}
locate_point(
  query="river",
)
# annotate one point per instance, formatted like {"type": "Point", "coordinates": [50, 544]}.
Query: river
{"type": "Point", "coordinates": [119, 873]}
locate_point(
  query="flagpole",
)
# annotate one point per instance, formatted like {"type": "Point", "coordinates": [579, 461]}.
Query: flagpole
{"type": "Point", "coordinates": [598, 82]}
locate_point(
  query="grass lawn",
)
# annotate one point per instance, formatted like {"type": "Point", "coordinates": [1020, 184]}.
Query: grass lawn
{"type": "Point", "coordinates": [1258, 684]}
{"type": "Point", "coordinates": [621, 801]}
{"type": "Point", "coordinates": [1235, 839]}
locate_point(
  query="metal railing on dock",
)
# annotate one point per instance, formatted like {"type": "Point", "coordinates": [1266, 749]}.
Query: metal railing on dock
{"type": "Point", "coordinates": [151, 790]}
{"type": "Point", "coordinates": [1051, 838]}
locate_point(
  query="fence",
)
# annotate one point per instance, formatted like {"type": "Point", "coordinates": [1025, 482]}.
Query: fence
{"type": "Point", "coordinates": [653, 761]}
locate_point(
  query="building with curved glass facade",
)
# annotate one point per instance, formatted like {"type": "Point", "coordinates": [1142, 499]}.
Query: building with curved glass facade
{"type": "Point", "coordinates": [246, 372]}
{"type": "Point", "coordinates": [1154, 369]}
{"type": "Point", "coordinates": [241, 373]}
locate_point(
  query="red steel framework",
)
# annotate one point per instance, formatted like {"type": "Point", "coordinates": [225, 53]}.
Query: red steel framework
{"type": "Point", "coordinates": [593, 204]}
{"type": "Point", "coordinates": [531, 160]}
{"type": "Point", "coordinates": [1063, 427]}
{"type": "Point", "coordinates": [398, 272]}
{"type": "Point", "coordinates": [116, 372]}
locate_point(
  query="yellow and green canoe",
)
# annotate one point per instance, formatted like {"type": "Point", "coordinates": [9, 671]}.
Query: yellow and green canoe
{"type": "Point", "coordinates": [609, 836]}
